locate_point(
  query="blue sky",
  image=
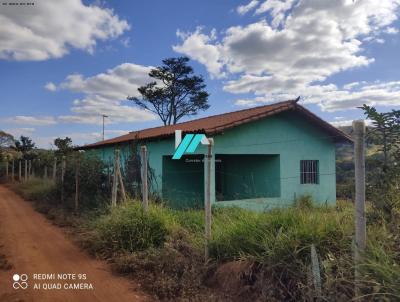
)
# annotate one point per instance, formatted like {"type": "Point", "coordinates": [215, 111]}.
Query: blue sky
{"type": "Point", "coordinates": [64, 63]}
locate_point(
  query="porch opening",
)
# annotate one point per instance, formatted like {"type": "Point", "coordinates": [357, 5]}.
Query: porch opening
{"type": "Point", "coordinates": [247, 176]}
{"type": "Point", "coordinates": [183, 181]}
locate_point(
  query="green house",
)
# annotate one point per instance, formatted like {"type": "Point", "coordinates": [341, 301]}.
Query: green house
{"type": "Point", "coordinates": [262, 158]}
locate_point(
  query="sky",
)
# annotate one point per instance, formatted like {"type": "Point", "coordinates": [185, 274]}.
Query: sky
{"type": "Point", "coordinates": [65, 63]}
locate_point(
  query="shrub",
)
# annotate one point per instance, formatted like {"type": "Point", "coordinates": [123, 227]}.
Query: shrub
{"type": "Point", "coordinates": [305, 202]}
{"type": "Point", "coordinates": [37, 189]}
{"type": "Point", "coordinates": [381, 264]}
{"type": "Point", "coordinates": [128, 228]}
{"type": "Point", "coordinates": [279, 234]}
{"type": "Point", "coordinates": [93, 189]}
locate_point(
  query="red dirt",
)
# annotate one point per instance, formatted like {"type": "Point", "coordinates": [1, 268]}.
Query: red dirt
{"type": "Point", "coordinates": [33, 246]}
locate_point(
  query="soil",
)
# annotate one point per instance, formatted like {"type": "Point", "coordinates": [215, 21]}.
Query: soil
{"type": "Point", "coordinates": [30, 244]}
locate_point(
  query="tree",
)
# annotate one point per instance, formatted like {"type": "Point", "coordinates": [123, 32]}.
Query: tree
{"type": "Point", "coordinates": [24, 144]}
{"type": "Point", "coordinates": [175, 93]}
{"type": "Point", "coordinates": [6, 143]}
{"type": "Point", "coordinates": [385, 130]}
{"type": "Point", "coordinates": [383, 175]}
{"type": "Point", "coordinates": [6, 140]}
{"type": "Point", "coordinates": [64, 145]}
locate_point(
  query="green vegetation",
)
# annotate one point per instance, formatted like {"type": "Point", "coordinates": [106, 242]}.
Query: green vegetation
{"type": "Point", "coordinates": [253, 255]}
{"type": "Point", "coordinates": [37, 189]}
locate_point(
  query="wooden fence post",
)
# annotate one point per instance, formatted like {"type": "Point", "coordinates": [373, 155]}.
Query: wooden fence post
{"type": "Point", "coordinates": [29, 168]}
{"type": "Point", "coordinates": [114, 191]}
{"type": "Point", "coordinates": [55, 169]}
{"type": "Point", "coordinates": [26, 170]}
{"type": "Point", "coordinates": [7, 170]}
{"type": "Point", "coordinates": [63, 166]}
{"type": "Point", "coordinates": [360, 223]}
{"type": "Point", "coordinates": [77, 183]}
{"type": "Point", "coordinates": [145, 190]}
{"type": "Point", "coordinates": [121, 182]}
{"type": "Point", "coordinates": [207, 199]}
{"type": "Point", "coordinates": [19, 171]}
{"type": "Point", "coordinates": [108, 174]}
{"type": "Point", "coordinates": [33, 168]}
{"type": "Point", "coordinates": [13, 171]}
{"type": "Point", "coordinates": [45, 172]}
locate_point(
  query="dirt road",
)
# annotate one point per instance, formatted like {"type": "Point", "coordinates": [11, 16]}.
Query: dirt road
{"type": "Point", "coordinates": [33, 246]}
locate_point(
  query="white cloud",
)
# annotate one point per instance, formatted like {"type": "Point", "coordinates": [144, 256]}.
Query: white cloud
{"type": "Point", "coordinates": [50, 86]}
{"type": "Point", "coordinates": [80, 138]}
{"type": "Point", "coordinates": [106, 93]}
{"type": "Point", "coordinates": [391, 30]}
{"type": "Point", "coordinates": [51, 29]}
{"type": "Point", "coordinates": [341, 123]}
{"type": "Point", "coordinates": [30, 120]}
{"type": "Point", "coordinates": [351, 85]}
{"type": "Point", "coordinates": [344, 123]}
{"type": "Point", "coordinates": [243, 9]}
{"type": "Point", "coordinates": [277, 10]}
{"type": "Point", "coordinates": [330, 98]}
{"type": "Point", "coordinates": [304, 44]}
{"type": "Point", "coordinates": [197, 46]}
{"type": "Point", "coordinates": [17, 132]}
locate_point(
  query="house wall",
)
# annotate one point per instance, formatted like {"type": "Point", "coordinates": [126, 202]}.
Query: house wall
{"type": "Point", "coordinates": [182, 185]}
{"type": "Point", "coordinates": [288, 135]}
{"type": "Point", "coordinates": [295, 139]}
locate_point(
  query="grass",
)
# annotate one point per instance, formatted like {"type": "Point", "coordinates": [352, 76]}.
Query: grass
{"type": "Point", "coordinates": [36, 189]}
{"type": "Point", "coordinates": [254, 256]}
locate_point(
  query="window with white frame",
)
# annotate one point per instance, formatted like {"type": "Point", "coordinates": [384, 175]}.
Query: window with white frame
{"type": "Point", "coordinates": [309, 171]}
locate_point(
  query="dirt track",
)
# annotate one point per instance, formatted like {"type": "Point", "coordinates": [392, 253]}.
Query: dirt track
{"type": "Point", "coordinates": [33, 246]}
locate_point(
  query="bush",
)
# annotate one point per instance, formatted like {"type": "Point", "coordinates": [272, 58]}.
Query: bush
{"type": "Point", "coordinates": [254, 256]}
{"type": "Point", "coordinates": [37, 189]}
{"type": "Point", "coordinates": [279, 235]}
{"type": "Point", "coordinates": [93, 189]}
{"type": "Point", "coordinates": [128, 228]}
{"type": "Point", "coordinates": [381, 264]}
{"type": "Point", "coordinates": [305, 202]}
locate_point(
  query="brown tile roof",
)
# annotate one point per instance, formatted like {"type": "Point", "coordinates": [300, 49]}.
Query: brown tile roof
{"type": "Point", "coordinates": [218, 123]}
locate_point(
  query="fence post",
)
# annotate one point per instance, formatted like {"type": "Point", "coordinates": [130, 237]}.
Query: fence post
{"type": "Point", "coordinates": [108, 174]}
{"type": "Point", "coordinates": [145, 190]}
{"type": "Point", "coordinates": [33, 168]}
{"type": "Point", "coordinates": [120, 180]}
{"type": "Point", "coordinates": [7, 170]}
{"type": "Point", "coordinates": [29, 168]}
{"type": "Point", "coordinates": [13, 171]}
{"type": "Point", "coordinates": [63, 166]}
{"type": "Point", "coordinates": [207, 199]}
{"type": "Point", "coordinates": [316, 274]}
{"type": "Point", "coordinates": [19, 171]}
{"type": "Point", "coordinates": [360, 223]}
{"type": "Point", "coordinates": [114, 191]}
{"type": "Point", "coordinates": [45, 172]}
{"type": "Point", "coordinates": [26, 170]}
{"type": "Point", "coordinates": [77, 183]}
{"type": "Point", "coordinates": [55, 169]}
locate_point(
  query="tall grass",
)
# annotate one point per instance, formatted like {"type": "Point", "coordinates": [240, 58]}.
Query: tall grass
{"type": "Point", "coordinates": [37, 189]}
{"type": "Point", "coordinates": [129, 229]}
{"type": "Point", "coordinates": [165, 248]}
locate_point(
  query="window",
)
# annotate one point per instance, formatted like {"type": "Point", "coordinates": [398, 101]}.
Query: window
{"type": "Point", "coordinates": [309, 172]}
